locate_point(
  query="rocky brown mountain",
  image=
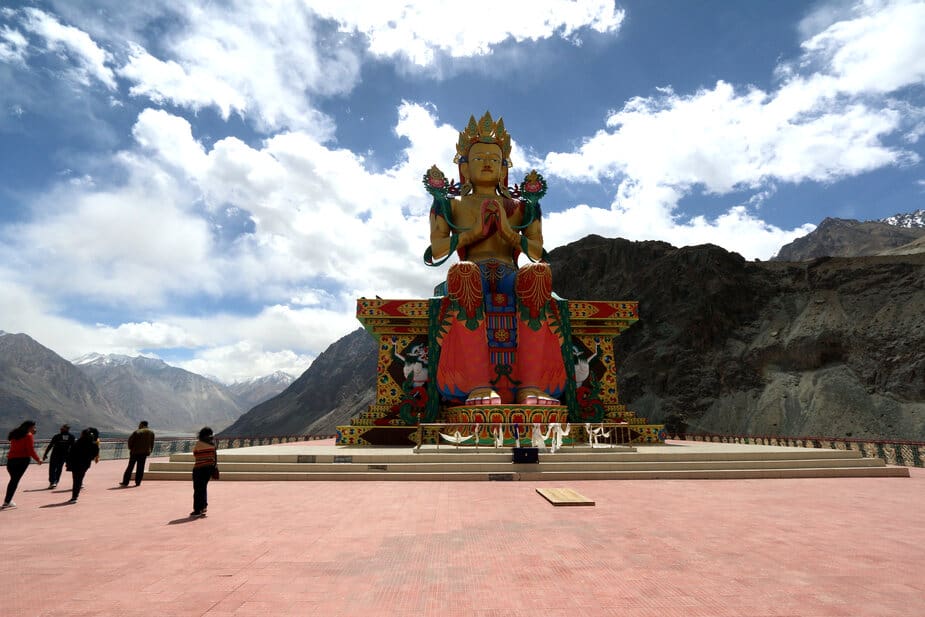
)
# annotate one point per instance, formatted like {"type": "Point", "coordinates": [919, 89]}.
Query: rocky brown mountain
{"type": "Point", "coordinates": [38, 384]}
{"type": "Point", "coordinates": [849, 238]}
{"type": "Point", "coordinates": [828, 347]}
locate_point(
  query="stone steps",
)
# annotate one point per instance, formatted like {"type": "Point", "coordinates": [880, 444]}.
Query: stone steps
{"type": "Point", "coordinates": [269, 463]}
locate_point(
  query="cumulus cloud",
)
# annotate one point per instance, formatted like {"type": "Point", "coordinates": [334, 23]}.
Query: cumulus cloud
{"type": "Point", "coordinates": [418, 30]}
{"type": "Point", "coordinates": [877, 48]}
{"type": "Point", "coordinates": [89, 60]}
{"type": "Point", "coordinates": [12, 45]}
{"type": "Point", "coordinates": [244, 360]}
{"type": "Point", "coordinates": [130, 244]}
{"type": "Point", "coordinates": [269, 63]}
{"type": "Point", "coordinates": [325, 230]}
{"type": "Point", "coordinates": [273, 63]}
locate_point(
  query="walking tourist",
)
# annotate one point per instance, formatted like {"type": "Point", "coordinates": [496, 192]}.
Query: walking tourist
{"type": "Point", "coordinates": [204, 469]}
{"type": "Point", "coordinates": [86, 449]}
{"type": "Point", "coordinates": [59, 446]}
{"type": "Point", "coordinates": [22, 448]}
{"type": "Point", "coordinates": [140, 446]}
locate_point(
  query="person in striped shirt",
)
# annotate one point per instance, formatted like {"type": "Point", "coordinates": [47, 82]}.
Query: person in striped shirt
{"type": "Point", "coordinates": [205, 465]}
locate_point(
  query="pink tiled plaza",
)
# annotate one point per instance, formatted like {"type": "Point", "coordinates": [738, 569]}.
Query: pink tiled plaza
{"type": "Point", "coordinates": [775, 547]}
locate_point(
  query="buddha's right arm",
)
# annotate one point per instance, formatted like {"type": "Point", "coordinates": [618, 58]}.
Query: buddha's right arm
{"type": "Point", "coordinates": [440, 240]}
{"type": "Point", "coordinates": [439, 236]}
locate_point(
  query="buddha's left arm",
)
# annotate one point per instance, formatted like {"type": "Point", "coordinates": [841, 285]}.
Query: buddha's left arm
{"type": "Point", "coordinates": [534, 236]}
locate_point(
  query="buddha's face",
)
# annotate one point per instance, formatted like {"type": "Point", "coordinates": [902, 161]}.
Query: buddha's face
{"type": "Point", "coordinates": [484, 164]}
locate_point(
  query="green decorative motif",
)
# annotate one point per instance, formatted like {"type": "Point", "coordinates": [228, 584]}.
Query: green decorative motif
{"type": "Point", "coordinates": [565, 328]}
{"type": "Point", "coordinates": [413, 407]}
{"type": "Point", "coordinates": [433, 345]}
{"type": "Point", "coordinates": [535, 322]}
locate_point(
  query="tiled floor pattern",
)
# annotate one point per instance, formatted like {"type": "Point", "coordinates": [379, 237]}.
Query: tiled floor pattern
{"type": "Point", "coordinates": [809, 547]}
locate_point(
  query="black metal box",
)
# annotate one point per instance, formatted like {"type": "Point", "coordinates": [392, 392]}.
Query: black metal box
{"type": "Point", "coordinates": [526, 455]}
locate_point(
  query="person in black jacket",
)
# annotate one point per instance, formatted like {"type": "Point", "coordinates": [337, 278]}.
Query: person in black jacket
{"type": "Point", "coordinates": [59, 446]}
{"type": "Point", "coordinates": [85, 450]}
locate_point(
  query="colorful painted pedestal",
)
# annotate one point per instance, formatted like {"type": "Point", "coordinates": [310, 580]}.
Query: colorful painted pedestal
{"type": "Point", "coordinates": [401, 327]}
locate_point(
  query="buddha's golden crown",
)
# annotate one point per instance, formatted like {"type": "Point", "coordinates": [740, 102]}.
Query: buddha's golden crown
{"type": "Point", "coordinates": [485, 131]}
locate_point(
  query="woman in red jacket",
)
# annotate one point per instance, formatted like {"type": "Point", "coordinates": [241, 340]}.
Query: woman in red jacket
{"type": "Point", "coordinates": [22, 448]}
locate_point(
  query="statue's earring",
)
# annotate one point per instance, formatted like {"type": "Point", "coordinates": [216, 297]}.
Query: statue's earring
{"type": "Point", "coordinates": [465, 189]}
{"type": "Point", "coordinates": [503, 190]}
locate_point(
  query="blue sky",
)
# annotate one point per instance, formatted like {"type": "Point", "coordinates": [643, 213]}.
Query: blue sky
{"type": "Point", "coordinates": [216, 183]}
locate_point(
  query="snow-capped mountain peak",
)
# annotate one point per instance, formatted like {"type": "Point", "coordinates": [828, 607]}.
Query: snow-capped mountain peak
{"type": "Point", "coordinates": [99, 359]}
{"type": "Point", "coordinates": [908, 219]}
{"type": "Point", "coordinates": [113, 359]}
{"type": "Point", "coordinates": [277, 377]}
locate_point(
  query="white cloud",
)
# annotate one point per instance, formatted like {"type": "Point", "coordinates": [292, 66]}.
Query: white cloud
{"type": "Point", "coordinates": [168, 81]}
{"type": "Point", "coordinates": [418, 30]}
{"type": "Point", "coordinates": [272, 63]}
{"type": "Point", "coordinates": [12, 45]}
{"type": "Point", "coordinates": [325, 231]}
{"type": "Point", "coordinates": [311, 297]}
{"type": "Point", "coordinates": [171, 140]}
{"type": "Point", "coordinates": [128, 244]}
{"type": "Point", "coordinates": [245, 360]}
{"type": "Point", "coordinates": [268, 63]}
{"type": "Point", "coordinates": [89, 59]}
{"type": "Point", "coordinates": [724, 140]}
{"type": "Point", "coordinates": [878, 48]}
{"type": "Point", "coordinates": [146, 335]}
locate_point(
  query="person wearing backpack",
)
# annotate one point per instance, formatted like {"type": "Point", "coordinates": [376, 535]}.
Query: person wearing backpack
{"type": "Point", "coordinates": [86, 450]}
{"type": "Point", "coordinates": [59, 446]}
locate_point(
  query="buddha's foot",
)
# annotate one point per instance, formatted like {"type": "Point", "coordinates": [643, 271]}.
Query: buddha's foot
{"type": "Point", "coordinates": [534, 396]}
{"type": "Point", "coordinates": [483, 396]}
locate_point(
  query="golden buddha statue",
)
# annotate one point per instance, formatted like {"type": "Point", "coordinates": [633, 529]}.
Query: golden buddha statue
{"type": "Point", "coordinates": [499, 335]}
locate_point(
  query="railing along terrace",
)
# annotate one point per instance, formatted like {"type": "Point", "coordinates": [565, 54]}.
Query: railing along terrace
{"type": "Point", "coordinates": [472, 435]}
{"type": "Point", "coordinates": [117, 447]}
{"type": "Point", "coordinates": [894, 451]}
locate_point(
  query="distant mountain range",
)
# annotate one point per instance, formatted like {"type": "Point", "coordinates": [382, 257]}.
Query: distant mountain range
{"type": "Point", "coordinates": [38, 384]}
{"type": "Point", "coordinates": [115, 392]}
{"type": "Point", "coordinates": [821, 345]}
{"type": "Point", "coordinates": [165, 396]}
{"type": "Point", "coordinates": [901, 234]}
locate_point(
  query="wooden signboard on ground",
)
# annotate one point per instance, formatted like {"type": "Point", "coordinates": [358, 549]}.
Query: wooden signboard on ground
{"type": "Point", "coordinates": [564, 497]}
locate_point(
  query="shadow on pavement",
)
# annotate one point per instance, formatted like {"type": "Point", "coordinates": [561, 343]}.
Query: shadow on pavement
{"type": "Point", "coordinates": [185, 519]}
{"type": "Point", "coordinates": [57, 505]}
